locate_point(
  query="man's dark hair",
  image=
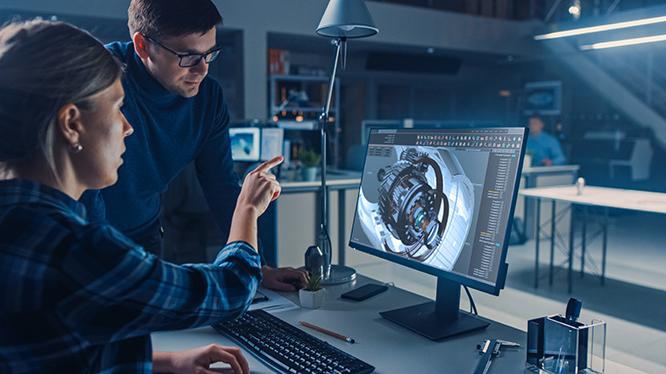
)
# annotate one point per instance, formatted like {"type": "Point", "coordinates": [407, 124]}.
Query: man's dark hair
{"type": "Point", "coordinates": [538, 117]}
{"type": "Point", "coordinates": [158, 18]}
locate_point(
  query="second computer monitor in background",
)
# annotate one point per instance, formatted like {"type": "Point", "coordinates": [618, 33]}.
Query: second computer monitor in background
{"type": "Point", "coordinates": [245, 143]}
{"type": "Point", "coordinates": [441, 201]}
{"type": "Point", "coordinates": [272, 141]}
{"type": "Point", "coordinates": [254, 144]}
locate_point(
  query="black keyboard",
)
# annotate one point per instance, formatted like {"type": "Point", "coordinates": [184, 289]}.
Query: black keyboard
{"type": "Point", "coordinates": [288, 349]}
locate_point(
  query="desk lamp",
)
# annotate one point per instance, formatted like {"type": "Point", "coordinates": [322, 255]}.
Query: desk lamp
{"type": "Point", "coordinates": [342, 20]}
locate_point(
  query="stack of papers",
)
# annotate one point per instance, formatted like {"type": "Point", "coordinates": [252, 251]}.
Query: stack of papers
{"type": "Point", "coordinates": [276, 303]}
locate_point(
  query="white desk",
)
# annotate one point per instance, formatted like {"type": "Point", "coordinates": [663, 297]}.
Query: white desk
{"type": "Point", "coordinates": [651, 202]}
{"type": "Point", "coordinates": [387, 346]}
{"type": "Point", "coordinates": [541, 176]}
{"type": "Point", "coordinates": [383, 344]}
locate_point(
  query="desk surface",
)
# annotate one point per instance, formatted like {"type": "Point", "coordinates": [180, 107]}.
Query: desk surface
{"type": "Point", "coordinates": [644, 201]}
{"type": "Point", "coordinates": [388, 347]}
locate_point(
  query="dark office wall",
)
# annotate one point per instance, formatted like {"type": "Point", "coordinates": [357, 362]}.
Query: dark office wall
{"type": "Point", "coordinates": [471, 94]}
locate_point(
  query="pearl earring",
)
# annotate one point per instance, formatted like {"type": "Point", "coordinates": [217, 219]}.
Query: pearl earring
{"type": "Point", "coordinates": [76, 148]}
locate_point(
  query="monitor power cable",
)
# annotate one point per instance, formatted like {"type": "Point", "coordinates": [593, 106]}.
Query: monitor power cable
{"type": "Point", "coordinates": [472, 305]}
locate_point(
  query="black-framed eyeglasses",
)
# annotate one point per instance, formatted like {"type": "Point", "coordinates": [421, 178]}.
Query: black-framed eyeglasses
{"type": "Point", "coordinates": [187, 60]}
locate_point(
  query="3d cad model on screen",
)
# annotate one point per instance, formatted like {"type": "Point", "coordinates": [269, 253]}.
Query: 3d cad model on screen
{"type": "Point", "coordinates": [420, 206]}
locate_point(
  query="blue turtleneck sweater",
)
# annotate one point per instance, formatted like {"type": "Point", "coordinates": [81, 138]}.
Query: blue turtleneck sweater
{"type": "Point", "coordinates": [170, 131]}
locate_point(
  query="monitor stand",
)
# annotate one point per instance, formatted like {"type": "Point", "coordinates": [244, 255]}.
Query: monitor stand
{"type": "Point", "coordinates": [438, 319]}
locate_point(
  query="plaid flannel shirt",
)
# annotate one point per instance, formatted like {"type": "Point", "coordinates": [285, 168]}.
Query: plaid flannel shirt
{"type": "Point", "coordinates": [80, 297]}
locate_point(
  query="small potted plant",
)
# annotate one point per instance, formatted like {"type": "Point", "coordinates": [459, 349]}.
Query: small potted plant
{"type": "Point", "coordinates": [309, 160]}
{"type": "Point", "coordinates": [312, 295]}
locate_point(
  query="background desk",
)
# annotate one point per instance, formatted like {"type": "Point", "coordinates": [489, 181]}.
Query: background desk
{"type": "Point", "coordinates": [298, 211]}
{"type": "Point", "coordinates": [650, 202]}
{"type": "Point", "coordinates": [542, 176]}
{"type": "Point", "coordinates": [388, 347]}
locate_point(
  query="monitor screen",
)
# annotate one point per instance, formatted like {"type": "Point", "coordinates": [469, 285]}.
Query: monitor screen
{"type": "Point", "coordinates": [245, 143]}
{"type": "Point", "coordinates": [543, 98]}
{"type": "Point", "coordinates": [272, 142]}
{"type": "Point", "coordinates": [441, 200]}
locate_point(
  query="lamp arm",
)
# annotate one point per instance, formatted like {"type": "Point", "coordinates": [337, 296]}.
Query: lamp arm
{"type": "Point", "coordinates": [338, 43]}
{"type": "Point", "coordinates": [324, 240]}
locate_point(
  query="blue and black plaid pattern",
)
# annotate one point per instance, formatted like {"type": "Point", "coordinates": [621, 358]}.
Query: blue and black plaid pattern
{"type": "Point", "coordinates": [80, 297]}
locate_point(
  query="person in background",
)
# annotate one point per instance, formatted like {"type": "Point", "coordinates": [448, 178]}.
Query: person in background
{"type": "Point", "coordinates": [81, 297]}
{"type": "Point", "coordinates": [179, 116]}
{"type": "Point", "coordinates": [544, 148]}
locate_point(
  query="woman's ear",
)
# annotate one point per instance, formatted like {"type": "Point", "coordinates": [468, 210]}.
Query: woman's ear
{"type": "Point", "coordinates": [69, 124]}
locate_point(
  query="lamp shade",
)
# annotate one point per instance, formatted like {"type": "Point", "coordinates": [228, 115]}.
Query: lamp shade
{"type": "Point", "coordinates": [346, 19]}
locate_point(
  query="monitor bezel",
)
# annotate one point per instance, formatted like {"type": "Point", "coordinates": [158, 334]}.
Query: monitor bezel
{"type": "Point", "coordinates": [463, 280]}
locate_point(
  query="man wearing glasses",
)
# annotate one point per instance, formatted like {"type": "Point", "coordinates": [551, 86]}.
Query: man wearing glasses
{"type": "Point", "coordinates": [179, 115]}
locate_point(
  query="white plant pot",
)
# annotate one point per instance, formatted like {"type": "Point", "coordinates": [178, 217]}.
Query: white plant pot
{"type": "Point", "coordinates": [310, 299]}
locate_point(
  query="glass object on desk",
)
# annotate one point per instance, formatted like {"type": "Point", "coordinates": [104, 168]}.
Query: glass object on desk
{"type": "Point", "coordinates": [314, 261]}
{"type": "Point", "coordinates": [559, 346]}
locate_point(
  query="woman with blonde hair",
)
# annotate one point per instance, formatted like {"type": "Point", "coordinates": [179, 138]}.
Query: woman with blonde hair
{"type": "Point", "coordinates": [81, 297]}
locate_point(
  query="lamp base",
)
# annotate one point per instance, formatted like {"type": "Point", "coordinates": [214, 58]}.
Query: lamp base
{"type": "Point", "coordinates": [339, 274]}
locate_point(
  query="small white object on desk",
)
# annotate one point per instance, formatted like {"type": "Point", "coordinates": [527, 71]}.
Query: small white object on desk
{"type": "Point", "coordinates": [580, 185]}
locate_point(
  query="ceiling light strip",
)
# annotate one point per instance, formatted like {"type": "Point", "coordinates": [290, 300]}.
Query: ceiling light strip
{"type": "Point", "coordinates": [625, 42]}
{"type": "Point", "coordinates": [600, 28]}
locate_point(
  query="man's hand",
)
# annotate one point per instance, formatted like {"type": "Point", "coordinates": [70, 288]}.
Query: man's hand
{"type": "Point", "coordinates": [198, 360]}
{"type": "Point", "coordinates": [283, 279]}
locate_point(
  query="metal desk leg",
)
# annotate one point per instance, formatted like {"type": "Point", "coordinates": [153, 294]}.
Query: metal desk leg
{"type": "Point", "coordinates": [603, 253]}
{"type": "Point", "coordinates": [552, 242]}
{"type": "Point", "coordinates": [582, 255]}
{"type": "Point", "coordinates": [571, 247]}
{"type": "Point", "coordinates": [341, 227]}
{"type": "Point", "coordinates": [537, 238]}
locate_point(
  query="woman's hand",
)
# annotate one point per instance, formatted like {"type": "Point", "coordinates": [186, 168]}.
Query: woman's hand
{"type": "Point", "coordinates": [260, 187]}
{"type": "Point", "coordinates": [198, 360]}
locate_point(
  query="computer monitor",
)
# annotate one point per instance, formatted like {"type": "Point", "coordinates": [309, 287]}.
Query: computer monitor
{"type": "Point", "coordinates": [245, 143]}
{"type": "Point", "coordinates": [543, 98]}
{"type": "Point", "coordinates": [441, 201]}
{"type": "Point", "coordinates": [254, 144]}
{"type": "Point", "coordinates": [272, 142]}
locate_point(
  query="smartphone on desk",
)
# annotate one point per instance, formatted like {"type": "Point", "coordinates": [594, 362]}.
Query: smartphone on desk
{"type": "Point", "coordinates": [364, 292]}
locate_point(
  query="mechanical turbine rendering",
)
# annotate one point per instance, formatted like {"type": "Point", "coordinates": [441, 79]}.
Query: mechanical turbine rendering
{"type": "Point", "coordinates": [410, 207]}
{"type": "Point", "coordinates": [423, 206]}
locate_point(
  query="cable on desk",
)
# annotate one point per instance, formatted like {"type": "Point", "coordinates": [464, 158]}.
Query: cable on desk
{"type": "Point", "coordinates": [472, 306]}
